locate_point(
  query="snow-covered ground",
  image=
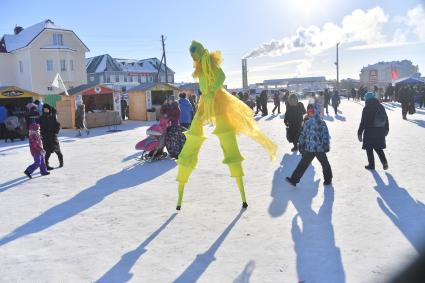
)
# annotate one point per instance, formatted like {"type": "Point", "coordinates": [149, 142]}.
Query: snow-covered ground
{"type": "Point", "coordinates": [105, 217]}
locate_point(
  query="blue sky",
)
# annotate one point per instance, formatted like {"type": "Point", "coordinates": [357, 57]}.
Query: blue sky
{"type": "Point", "coordinates": [132, 29]}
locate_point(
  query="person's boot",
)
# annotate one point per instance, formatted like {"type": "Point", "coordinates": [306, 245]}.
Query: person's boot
{"type": "Point", "coordinates": [49, 168]}
{"type": "Point", "coordinates": [45, 173]}
{"type": "Point", "coordinates": [369, 167]}
{"type": "Point", "coordinates": [60, 161]}
{"type": "Point", "coordinates": [290, 181]}
{"type": "Point", "coordinates": [385, 166]}
{"type": "Point", "coordinates": [28, 174]}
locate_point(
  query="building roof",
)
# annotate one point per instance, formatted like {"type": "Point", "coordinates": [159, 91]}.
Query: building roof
{"type": "Point", "coordinates": [12, 42]}
{"type": "Point", "coordinates": [15, 88]}
{"type": "Point", "coordinates": [294, 80]}
{"type": "Point", "coordinates": [102, 63]}
{"type": "Point", "coordinates": [148, 86]}
{"type": "Point", "coordinates": [79, 88]}
{"type": "Point", "coordinates": [105, 63]}
{"type": "Point", "coordinates": [193, 86]}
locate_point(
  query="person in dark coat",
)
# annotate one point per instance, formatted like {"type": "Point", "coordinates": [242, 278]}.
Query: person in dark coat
{"type": "Point", "coordinates": [336, 100]}
{"type": "Point", "coordinates": [404, 98]}
{"type": "Point", "coordinates": [80, 119]}
{"type": "Point", "coordinates": [353, 93]}
{"type": "Point", "coordinates": [373, 129]}
{"type": "Point", "coordinates": [389, 93]}
{"type": "Point", "coordinates": [293, 120]}
{"type": "Point", "coordinates": [276, 101]}
{"type": "Point", "coordinates": [124, 106]}
{"type": "Point", "coordinates": [192, 100]}
{"type": "Point", "coordinates": [327, 101]}
{"type": "Point", "coordinates": [422, 97]}
{"type": "Point", "coordinates": [257, 104]}
{"type": "Point", "coordinates": [314, 142]}
{"type": "Point", "coordinates": [263, 98]}
{"type": "Point", "coordinates": [175, 138]}
{"type": "Point", "coordinates": [49, 129]}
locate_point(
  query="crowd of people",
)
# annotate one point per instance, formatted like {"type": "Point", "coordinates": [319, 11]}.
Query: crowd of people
{"type": "Point", "coordinates": [305, 128]}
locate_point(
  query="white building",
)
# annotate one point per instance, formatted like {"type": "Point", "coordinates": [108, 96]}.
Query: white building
{"type": "Point", "coordinates": [299, 85]}
{"type": "Point", "coordinates": [31, 57]}
{"type": "Point", "coordinates": [383, 73]}
{"type": "Point", "coordinates": [123, 74]}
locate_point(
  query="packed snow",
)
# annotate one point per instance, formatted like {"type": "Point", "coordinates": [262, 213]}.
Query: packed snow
{"type": "Point", "coordinates": [106, 217]}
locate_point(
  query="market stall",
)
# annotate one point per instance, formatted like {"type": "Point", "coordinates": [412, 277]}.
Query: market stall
{"type": "Point", "coordinates": [145, 100]}
{"type": "Point", "coordinates": [17, 98]}
{"type": "Point", "coordinates": [103, 106]}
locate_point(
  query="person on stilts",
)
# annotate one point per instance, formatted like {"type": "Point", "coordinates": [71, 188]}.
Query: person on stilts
{"type": "Point", "coordinates": [230, 116]}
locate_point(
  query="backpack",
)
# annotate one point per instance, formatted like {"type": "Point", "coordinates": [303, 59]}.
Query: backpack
{"type": "Point", "coordinates": [380, 119]}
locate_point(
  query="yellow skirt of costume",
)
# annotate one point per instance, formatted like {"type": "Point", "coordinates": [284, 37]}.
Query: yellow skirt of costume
{"type": "Point", "coordinates": [231, 117]}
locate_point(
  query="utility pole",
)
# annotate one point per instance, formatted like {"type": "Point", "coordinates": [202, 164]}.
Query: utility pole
{"type": "Point", "coordinates": [337, 68]}
{"type": "Point", "coordinates": [165, 58]}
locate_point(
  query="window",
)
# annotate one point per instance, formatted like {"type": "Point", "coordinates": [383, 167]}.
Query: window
{"type": "Point", "coordinates": [92, 79]}
{"type": "Point", "coordinates": [49, 65]}
{"type": "Point", "coordinates": [140, 79]}
{"type": "Point", "coordinates": [130, 79]}
{"type": "Point", "coordinates": [49, 88]}
{"type": "Point", "coordinates": [101, 79]}
{"type": "Point", "coordinates": [108, 79]}
{"type": "Point", "coordinates": [63, 65]}
{"type": "Point", "coordinates": [151, 79]}
{"type": "Point", "coordinates": [58, 39]}
{"type": "Point", "coordinates": [117, 78]}
{"type": "Point", "coordinates": [21, 67]}
{"type": "Point", "coordinates": [125, 78]}
{"type": "Point", "coordinates": [71, 65]}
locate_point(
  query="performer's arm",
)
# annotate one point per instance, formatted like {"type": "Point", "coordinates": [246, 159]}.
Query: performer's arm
{"type": "Point", "coordinates": [219, 80]}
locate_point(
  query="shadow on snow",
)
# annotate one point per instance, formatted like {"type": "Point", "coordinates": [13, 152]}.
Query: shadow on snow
{"type": "Point", "coordinates": [125, 179]}
{"type": "Point", "coordinates": [317, 256]}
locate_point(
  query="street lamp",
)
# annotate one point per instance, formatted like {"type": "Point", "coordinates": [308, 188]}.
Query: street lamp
{"type": "Point", "coordinates": [337, 68]}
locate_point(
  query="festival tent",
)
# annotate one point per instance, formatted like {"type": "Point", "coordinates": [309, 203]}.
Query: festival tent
{"type": "Point", "coordinates": [409, 81]}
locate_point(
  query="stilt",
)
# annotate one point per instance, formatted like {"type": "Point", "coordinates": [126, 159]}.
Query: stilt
{"type": "Point", "coordinates": [239, 180]}
{"type": "Point", "coordinates": [181, 191]}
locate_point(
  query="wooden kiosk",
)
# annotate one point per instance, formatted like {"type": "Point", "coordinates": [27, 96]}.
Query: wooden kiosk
{"type": "Point", "coordinates": [103, 106]}
{"type": "Point", "coordinates": [149, 96]}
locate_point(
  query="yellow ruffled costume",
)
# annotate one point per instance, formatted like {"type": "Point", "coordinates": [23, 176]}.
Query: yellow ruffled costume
{"type": "Point", "coordinates": [230, 116]}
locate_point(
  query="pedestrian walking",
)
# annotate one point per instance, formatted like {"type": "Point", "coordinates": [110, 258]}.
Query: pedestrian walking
{"type": "Point", "coordinates": [336, 100]}
{"type": "Point", "coordinates": [293, 120]}
{"type": "Point", "coordinates": [314, 142]}
{"type": "Point", "coordinates": [80, 117]}
{"type": "Point", "coordinates": [37, 151]}
{"type": "Point", "coordinates": [276, 101]}
{"type": "Point", "coordinates": [49, 129]}
{"type": "Point", "coordinates": [404, 98]}
{"type": "Point", "coordinates": [264, 98]}
{"type": "Point", "coordinates": [373, 129]}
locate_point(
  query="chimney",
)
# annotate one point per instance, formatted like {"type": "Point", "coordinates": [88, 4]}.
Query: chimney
{"type": "Point", "coordinates": [244, 75]}
{"type": "Point", "coordinates": [18, 29]}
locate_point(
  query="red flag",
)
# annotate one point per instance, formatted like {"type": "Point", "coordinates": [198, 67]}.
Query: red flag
{"type": "Point", "coordinates": [394, 73]}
